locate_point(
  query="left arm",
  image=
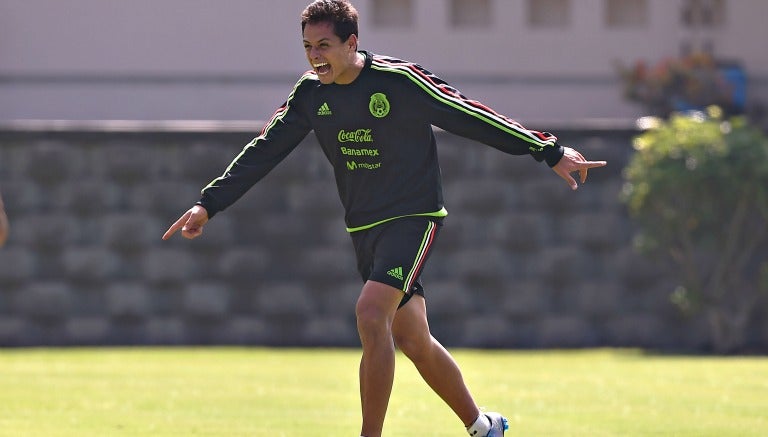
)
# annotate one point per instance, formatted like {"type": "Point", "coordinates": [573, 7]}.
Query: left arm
{"type": "Point", "coordinates": [450, 110]}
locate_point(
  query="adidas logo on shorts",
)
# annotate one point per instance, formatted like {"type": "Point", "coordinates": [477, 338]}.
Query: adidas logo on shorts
{"type": "Point", "coordinates": [397, 272]}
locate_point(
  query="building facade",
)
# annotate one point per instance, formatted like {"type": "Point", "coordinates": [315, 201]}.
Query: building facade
{"type": "Point", "coordinates": [536, 60]}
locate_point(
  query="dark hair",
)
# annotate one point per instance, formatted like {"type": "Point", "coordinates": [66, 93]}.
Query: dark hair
{"type": "Point", "coordinates": [340, 13]}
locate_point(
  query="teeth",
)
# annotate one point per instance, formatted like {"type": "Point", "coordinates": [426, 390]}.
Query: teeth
{"type": "Point", "coordinates": [320, 65]}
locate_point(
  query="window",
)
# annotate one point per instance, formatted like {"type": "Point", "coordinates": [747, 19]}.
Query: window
{"type": "Point", "coordinates": [392, 14]}
{"type": "Point", "coordinates": [626, 13]}
{"type": "Point", "coordinates": [703, 13]}
{"type": "Point", "coordinates": [471, 13]}
{"type": "Point", "coordinates": [549, 13]}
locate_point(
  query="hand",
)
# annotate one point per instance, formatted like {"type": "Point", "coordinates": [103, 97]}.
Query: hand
{"type": "Point", "coordinates": [573, 161]}
{"type": "Point", "coordinates": [191, 223]}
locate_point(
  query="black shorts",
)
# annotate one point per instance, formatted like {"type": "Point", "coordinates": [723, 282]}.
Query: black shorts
{"type": "Point", "coordinates": [395, 252]}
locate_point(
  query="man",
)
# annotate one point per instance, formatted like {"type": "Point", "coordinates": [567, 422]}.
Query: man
{"type": "Point", "coordinates": [373, 117]}
{"type": "Point", "coordinates": [3, 223]}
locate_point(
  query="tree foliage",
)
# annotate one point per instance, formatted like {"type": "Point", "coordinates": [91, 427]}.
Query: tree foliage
{"type": "Point", "coordinates": [697, 188]}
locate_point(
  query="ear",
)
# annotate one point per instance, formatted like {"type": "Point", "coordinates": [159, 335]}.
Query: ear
{"type": "Point", "coordinates": [352, 42]}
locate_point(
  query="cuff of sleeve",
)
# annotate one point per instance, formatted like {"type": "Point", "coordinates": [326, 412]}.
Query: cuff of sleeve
{"type": "Point", "coordinates": [550, 155]}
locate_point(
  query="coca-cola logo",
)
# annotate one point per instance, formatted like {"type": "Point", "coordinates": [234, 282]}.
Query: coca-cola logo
{"type": "Point", "coordinates": [356, 136]}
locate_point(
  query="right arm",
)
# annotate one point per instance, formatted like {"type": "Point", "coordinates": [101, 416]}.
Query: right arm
{"type": "Point", "coordinates": [282, 133]}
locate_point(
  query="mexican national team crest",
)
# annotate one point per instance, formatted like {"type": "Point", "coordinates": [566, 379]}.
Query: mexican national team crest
{"type": "Point", "coordinates": [379, 105]}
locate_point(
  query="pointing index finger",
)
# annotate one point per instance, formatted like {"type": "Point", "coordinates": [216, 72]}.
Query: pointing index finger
{"type": "Point", "coordinates": [593, 164]}
{"type": "Point", "coordinates": [178, 224]}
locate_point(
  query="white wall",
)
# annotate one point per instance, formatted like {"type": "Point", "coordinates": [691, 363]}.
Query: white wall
{"type": "Point", "coordinates": [237, 59]}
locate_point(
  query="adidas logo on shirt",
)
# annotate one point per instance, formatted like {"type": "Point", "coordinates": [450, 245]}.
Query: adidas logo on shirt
{"type": "Point", "coordinates": [324, 109]}
{"type": "Point", "coordinates": [397, 272]}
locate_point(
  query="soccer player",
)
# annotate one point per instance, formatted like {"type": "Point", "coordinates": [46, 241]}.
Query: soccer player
{"type": "Point", "coordinates": [3, 223]}
{"type": "Point", "coordinates": [373, 117]}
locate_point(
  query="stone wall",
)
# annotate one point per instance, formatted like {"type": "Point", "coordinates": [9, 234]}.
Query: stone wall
{"type": "Point", "coordinates": [522, 261]}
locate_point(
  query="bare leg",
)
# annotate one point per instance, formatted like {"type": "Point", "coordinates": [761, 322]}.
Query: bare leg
{"type": "Point", "coordinates": [438, 368]}
{"type": "Point", "coordinates": [375, 312]}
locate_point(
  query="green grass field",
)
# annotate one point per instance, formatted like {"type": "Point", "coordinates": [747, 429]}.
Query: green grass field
{"type": "Point", "coordinates": [313, 392]}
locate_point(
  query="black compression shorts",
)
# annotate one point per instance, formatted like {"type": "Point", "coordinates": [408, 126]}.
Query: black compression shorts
{"type": "Point", "coordinates": [395, 252]}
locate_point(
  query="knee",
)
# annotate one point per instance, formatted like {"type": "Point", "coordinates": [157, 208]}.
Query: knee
{"type": "Point", "coordinates": [371, 320]}
{"type": "Point", "coordinates": [414, 345]}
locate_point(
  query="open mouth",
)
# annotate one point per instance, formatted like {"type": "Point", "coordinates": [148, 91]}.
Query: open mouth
{"type": "Point", "coordinates": [322, 68]}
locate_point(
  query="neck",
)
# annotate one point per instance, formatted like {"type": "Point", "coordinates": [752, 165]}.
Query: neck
{"type": "Point", "coordinates": [359, 62]}
{"type": "Point", "coordinates": [356, 66]}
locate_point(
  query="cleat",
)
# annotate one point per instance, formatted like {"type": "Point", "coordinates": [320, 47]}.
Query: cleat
{"type": "Point", "coordinates": [498, 425]}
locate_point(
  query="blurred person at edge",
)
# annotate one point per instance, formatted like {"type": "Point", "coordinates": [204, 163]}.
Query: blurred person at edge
{"type": "Point", "coordinates": [373, 117]}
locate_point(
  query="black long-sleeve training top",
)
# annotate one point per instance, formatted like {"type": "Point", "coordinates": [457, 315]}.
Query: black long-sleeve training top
{"type": "Point", "coordinates": [377, 134]}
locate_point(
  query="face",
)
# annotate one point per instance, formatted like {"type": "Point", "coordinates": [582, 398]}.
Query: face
{"type": "Point", "coordinates": [334, 60]}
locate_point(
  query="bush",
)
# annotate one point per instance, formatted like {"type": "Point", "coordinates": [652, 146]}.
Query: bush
{"type": "Point", "coordinates": [697, 187]}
